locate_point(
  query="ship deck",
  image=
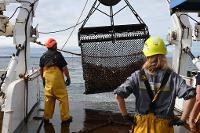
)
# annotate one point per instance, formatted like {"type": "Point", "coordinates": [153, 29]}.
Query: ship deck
{"type": "Point", "coordinates": [84, 121]}
{"type": "Point", "coordinates": [88, 117]}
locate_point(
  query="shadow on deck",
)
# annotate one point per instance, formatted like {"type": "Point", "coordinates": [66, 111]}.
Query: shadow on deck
{"type": "Point", "coordinates": [88, 121]}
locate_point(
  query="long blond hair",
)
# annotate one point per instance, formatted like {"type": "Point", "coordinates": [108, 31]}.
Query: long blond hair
{"type": "Point", "coordinates": [155, 62]}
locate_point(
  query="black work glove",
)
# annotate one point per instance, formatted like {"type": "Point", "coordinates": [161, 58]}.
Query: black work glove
{"type": "Point", "coordinates": [128, 119]}
{"type": "Point", "coordinates": [176, 122]}
{"type": "Point", "coordinates": [68, 82]}
{"type": "Point", "coordinates": [43, 81]}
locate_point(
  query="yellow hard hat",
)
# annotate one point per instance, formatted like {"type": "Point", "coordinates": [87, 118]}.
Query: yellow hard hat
{"type": "Point", "coordinates": [153, 46]}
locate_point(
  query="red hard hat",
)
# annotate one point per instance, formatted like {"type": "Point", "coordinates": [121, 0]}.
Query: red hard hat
{"type": "Point", "coordinates": [50, 43]}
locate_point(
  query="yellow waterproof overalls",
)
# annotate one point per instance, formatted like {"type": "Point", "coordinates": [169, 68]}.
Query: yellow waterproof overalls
{"type": "Point", "coordinates": [55, 89]}
{"type": "Point", "coordinates": [198, 122]}
{"type": "Point", "coordinates": [152, 124]}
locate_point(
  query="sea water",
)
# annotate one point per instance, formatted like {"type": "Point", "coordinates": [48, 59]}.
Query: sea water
{"type": "Point", "coordinates": [102, 101]}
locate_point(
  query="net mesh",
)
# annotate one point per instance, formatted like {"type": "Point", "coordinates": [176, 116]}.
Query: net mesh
{"type": "Point", "coordinates": [110, 55]}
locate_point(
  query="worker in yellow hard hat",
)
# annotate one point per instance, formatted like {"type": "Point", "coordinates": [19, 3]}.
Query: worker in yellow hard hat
{"type": "Point", "coordinates": [53, 67]}
{"type": "Point", "coordinates": [194, 119]}
{"type": "Point", "coordinates": [155, 87]}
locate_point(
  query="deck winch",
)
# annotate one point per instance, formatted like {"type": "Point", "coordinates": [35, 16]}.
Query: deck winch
{"type": "Point", "coordinates": [111, 53]}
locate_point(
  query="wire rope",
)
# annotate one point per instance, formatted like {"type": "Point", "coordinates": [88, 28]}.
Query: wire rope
{"type": "Point", "coordinates": [75, 24]}
{"type": "Point", "coordinates": [52, 32]}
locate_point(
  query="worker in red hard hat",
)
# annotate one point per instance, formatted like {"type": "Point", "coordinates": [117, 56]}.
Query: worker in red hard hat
{"type": "Point", "coordinates": [53, 67]}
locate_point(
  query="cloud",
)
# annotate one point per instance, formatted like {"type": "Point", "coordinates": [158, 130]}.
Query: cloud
{"type": "Point", "coordinates": [54, 15]}
{"type": "Point", "coordinates": [5, 41]}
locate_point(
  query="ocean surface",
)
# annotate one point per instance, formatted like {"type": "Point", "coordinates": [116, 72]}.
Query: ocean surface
{"type": "Point", "coordinates": [102, 101]}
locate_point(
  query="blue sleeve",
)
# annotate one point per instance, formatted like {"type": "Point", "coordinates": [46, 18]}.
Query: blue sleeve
{"type": "Point", "coordinates": [127, 88]}
{"type": "Point", "coordinates": [183, 90]}
{"type": "Point", "coordinates": [198, 79]}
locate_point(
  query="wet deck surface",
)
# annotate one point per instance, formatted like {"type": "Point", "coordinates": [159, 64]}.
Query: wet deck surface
{"type": "Point", "coordinates": [84, 121]}
{"type": "Point", "coordinates": [92, 121]}
{"type": "Point", "coordinates": [91, 114]}
{"type": "Point", "coordinates": [94, 113]}
{"type": "Point", "coordinates": [87, 121]}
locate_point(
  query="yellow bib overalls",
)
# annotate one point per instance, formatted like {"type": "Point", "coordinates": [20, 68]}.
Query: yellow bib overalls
{"type": "Point", "coordinates": [55, 89]}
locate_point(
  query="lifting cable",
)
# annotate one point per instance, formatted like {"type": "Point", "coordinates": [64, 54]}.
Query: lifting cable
{"type": "Point", "coordinates": [168, 1]}
{"type": "Point", "coordinates": [26, 88]}
{"type": "Point", "coordinates": [62, 30]}
{"type": "Point", "coordinates": [14, 12]}
{"type": "Point", "coordinates": [68, 28]}
{"type": "Point", "coordinates": [61, 50]}
{"type": "Point", "coordinates": [189, 17]}
{"type": "Point", "coordinates": [68, 52]}
{"type": "Point", "coordinates": [21, 7]}
{"type": "Point", "coordinates": [75, 24]}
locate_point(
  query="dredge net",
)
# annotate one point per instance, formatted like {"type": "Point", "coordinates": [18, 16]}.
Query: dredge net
{"type": "Point", "coordinates": [110, 54]}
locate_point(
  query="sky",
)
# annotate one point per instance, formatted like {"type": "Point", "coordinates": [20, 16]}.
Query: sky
{"type": "Point", "coordinates": [52, 15]}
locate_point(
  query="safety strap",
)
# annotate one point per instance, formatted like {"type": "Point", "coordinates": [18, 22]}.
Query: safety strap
{"type": "Point", "coordinates": [148, 87]}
